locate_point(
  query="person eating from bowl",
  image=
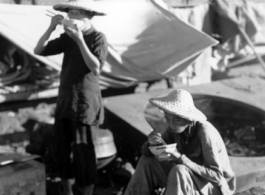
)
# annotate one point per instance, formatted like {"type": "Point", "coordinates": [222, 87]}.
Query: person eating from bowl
{"type": "Point", "coordinates": [198, 165]}
{"type": "Point", "coordinates": [79, 103]}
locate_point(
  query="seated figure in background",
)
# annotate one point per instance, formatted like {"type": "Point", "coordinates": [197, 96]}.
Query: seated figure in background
{"type": "Point", "coordinates": [198, 165]}
{"type": "Point", "coordinates": [10, 57]}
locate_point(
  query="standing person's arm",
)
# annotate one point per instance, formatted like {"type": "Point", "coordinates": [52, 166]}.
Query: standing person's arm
{"type": "Point", "coordinates": [90, 59]}
{"type": "Point", "coordinates": [42, 43]}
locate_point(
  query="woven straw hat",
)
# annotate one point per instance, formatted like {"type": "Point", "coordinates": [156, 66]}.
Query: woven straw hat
{"type": "Point", "coordinates": [180, 103]}
{"type": "Point", "coordinates": [87, 5]}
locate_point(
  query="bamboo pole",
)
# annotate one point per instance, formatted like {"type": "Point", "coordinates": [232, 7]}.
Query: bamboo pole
{"type": "Point", "coordinates": [244, 34]}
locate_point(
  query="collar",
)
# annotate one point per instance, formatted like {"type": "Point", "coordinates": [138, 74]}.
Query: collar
{"type": "Point", "coordinates": [192, 129]}
{"type": "Point", "coordinates": [189, 131]}
{"type": "Point", "coordinates": [89, 31]}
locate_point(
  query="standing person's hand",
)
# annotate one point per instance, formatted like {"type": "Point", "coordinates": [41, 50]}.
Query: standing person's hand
{"type": "Point", "coordinates": [57, 19]}
{"type": "Point", "coordinates": [75, 33]}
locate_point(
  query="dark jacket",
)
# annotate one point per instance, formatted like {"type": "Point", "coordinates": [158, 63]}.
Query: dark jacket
{"type": "Point", "coordinates": [79, 96]}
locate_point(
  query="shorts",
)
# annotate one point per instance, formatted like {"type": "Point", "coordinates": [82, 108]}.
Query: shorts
{"type": "Point", "coordinates": [73, 152]}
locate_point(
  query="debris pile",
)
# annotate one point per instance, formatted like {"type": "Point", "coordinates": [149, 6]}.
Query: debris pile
{"type": "Point", "coordinates": [246, 141]}
{"type": "Point", "coordinates": [28, 126]}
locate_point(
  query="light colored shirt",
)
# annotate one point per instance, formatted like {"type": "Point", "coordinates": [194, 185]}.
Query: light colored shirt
{"type": "Point", "coordinates": [204, 152]}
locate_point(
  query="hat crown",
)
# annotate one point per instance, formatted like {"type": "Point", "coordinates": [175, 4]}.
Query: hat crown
{"type": "Point", "coordinates": [180, 97]}
{"type": "Point", "coordinates": [80, 1]}
{"type": "Point", "coordinates": [87, 5]}
{"type": "Point", "coordinates": [179, 102]}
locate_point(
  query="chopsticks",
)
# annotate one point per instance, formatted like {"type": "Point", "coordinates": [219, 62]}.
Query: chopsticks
{"type": "Point", "coordinates": [50, 14]}
{"type": "Point", "coordinates": [150, 123]}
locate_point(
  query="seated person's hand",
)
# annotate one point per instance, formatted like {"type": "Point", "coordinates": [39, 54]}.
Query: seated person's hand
{"type": "Point", "coordinates": [154, 138]}
{"type": "Point", "coordinates": [173, 157]}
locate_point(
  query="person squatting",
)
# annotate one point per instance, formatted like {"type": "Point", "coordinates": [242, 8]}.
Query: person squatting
{"type": "Point", "coordinates": [198, 165]}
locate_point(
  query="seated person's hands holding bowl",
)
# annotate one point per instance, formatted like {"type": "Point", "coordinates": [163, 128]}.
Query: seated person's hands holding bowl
{"type": "Point", "coordinates": [155, 139]}
{"type": "Point", "coordinates": [161, 150]}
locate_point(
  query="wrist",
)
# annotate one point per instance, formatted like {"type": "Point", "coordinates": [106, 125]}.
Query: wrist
{"type": "Point", "coordinates": [178, 156]}
{"type": "Point", "coordinates": [80, 40]}
{"type": "Point", "coordinates": [51, 28]}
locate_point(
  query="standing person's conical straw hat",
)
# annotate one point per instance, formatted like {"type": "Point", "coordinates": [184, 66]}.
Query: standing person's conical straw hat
{"type": "Point", "coordinates": [86, 5]}
{"type": "Point", "coordinates": [179, 102]}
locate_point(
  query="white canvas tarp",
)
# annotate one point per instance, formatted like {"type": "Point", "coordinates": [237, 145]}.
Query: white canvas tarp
{"type": "Point", "coordinates": [146, 42]}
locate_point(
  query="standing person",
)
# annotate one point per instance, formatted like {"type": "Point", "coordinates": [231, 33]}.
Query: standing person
{"type": "Point", "coordinates": [198, 166]}
{"type": "Point", "coordinates": [79, 103]}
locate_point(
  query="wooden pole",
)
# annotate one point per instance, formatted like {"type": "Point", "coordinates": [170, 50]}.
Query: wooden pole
{"type": "Point", "coordinates": [244, 34]}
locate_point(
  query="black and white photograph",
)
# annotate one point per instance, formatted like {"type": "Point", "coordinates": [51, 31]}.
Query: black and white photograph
{"type": "Point", "coordinates": [132, 97]}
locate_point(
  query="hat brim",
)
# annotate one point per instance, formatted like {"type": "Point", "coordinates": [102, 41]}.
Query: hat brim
{"type": "Point", "coordinates": [195, 115]}
{"type": "Point", "coordinates": [185, 4]}
{"type": "Point", "coordinates": [66, 7]}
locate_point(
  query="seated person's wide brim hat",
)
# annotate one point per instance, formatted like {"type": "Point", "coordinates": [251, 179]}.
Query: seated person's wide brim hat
{"type": "Point", "coordinates": [86, 5]}
{"type": "Point", "coordinates": [179, 102]}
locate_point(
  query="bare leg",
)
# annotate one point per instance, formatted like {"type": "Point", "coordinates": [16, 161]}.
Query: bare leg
{"type": "Point", "coordinates": [87, 190]}
{"type": "Point", "coordinates": [67, 186]}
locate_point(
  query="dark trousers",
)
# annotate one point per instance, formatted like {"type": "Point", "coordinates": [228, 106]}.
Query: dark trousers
{"type": "Point", "coordinates": [73, 152]}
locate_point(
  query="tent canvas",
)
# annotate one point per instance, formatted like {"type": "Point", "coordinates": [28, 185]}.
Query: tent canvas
{"type": "Point", "coordinates": [146, 42]}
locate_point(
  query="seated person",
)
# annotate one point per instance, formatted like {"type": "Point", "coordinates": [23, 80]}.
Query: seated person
{"type": "Point", "coordinates": [198, 165]}
{"type": "Point", "coordinates": [9, 56]}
